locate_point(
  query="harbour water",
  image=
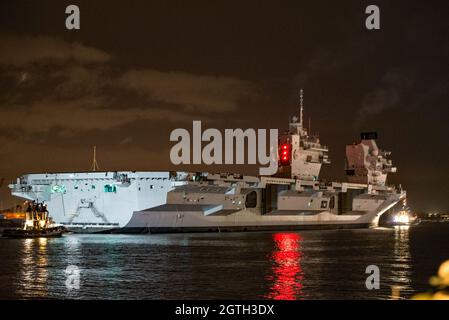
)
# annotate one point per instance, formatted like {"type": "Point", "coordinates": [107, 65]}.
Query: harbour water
{"type": "Point", "coordinates": [260, 265]}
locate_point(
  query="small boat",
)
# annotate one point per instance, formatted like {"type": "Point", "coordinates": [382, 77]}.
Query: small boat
{"type": "Point", "coordinates": [43, 233]}
{"type": "Point", "coordinates": [403, 218]}
{"type": "Point", "coordinates": [38, 224]}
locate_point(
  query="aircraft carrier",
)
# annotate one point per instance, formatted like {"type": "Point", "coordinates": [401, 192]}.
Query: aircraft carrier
{"type": "Point", "coordinates": [294, 198]}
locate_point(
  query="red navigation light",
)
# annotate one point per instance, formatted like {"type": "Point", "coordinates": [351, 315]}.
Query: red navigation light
{"type": "Point", "coordinates": [285, 154]}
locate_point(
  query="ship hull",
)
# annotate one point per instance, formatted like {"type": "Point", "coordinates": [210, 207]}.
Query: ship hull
{"type": "Point", "coordinates": [158, 220]}
{"type": "Point", "coordinates": [26, 234]}
{"type": "Point", "coordinates": [182, 215]}
{"type": "Point", "coordinates": [253, 228]}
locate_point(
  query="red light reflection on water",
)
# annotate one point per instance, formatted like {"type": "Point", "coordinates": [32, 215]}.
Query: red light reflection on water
{"type": "Point", "coordinates": [287, 274]}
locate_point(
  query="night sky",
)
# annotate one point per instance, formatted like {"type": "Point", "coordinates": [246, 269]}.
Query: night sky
{"type": "Point", "coordinates": [138, 69]}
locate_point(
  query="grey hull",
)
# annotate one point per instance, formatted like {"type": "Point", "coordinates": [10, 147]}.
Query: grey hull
{"type": "Point", "coordinates": [243, 228]}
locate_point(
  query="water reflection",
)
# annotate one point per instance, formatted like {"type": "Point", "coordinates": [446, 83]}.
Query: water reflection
{"type": "Point", "coordinates": [287, 275]}
{"type": "Point", "coordinates": [308, 265]}
{"type": "Point", "coordinates": [72, 265]}
{"type": "Point", "coordinates": [34, 272]}
{"type": "Point", "coordinates": [401, 271]}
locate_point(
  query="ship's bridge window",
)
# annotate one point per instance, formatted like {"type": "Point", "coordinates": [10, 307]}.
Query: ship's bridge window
{"type": "Point", "coordinates": [110, 188]}
{"type": "Point", "coordinates": [323, 204]}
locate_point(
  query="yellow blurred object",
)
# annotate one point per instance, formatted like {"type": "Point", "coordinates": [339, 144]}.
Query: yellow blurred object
{"type": "Point", "coordinates": [441, 282]}
{"type": "Point", "coordinates": [434, 281]}
{"type": "Point", "coordinates": [422, 296]}
{"type": "Point", "coordinates": [443, 272]}
{"type": "Point", "coordinates": [441, 295]}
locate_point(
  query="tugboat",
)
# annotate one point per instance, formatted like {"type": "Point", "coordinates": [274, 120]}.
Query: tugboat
{"type": "Point", "coordinates": [403, 218]}
{"type": "Point", "coordinates": [37, 224]}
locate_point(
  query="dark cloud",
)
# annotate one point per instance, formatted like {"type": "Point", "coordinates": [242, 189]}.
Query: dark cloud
{"type": "Point", "coordinates": [79, 115]}
{"type": "Point", "coordinates": [387, 95]}
{"type": "Point", "coordinates": [75, 97]}
{"type": "Point", "coordinates": [76, 81]}
{"type": "Point", "coordinates": [195, 92]}
{"type": "Point", "coordinates": [19, 50]}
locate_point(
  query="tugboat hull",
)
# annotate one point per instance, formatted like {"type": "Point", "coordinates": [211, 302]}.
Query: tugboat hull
{"type": "Point", "coordinates": [22, 234]}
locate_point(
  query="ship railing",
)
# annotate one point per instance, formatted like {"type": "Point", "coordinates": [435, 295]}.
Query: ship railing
{"type": "Point", "coordinates": [81, 224]}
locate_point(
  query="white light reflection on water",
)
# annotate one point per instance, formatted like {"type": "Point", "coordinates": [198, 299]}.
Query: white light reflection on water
{"type": "Point", "coordinates": [401, 267]}
{"type": "Point", "coordinates": [33, 269]}
{"type": "Point", "coordinates": [72, 256]}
